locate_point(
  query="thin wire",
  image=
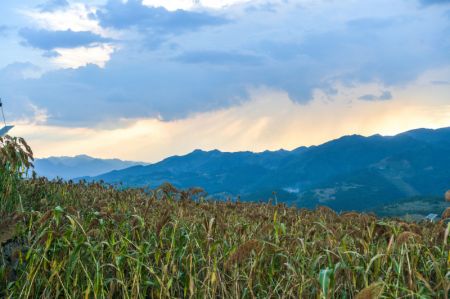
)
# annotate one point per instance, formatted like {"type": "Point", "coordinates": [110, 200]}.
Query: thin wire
{"type": "Point", "coordinates": [3, 114]}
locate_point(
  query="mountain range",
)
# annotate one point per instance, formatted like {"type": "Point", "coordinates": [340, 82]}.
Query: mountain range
{"type": "Point", "coordinates": [82, 165]}
{"type": "Point", "coordinates": [350, 173]}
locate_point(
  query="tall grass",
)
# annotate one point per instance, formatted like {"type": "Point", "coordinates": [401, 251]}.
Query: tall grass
{"type": "Point", "coordinates": [15, 161]}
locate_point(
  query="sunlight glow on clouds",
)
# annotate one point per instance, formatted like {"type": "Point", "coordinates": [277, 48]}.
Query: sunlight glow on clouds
{"type": "Point", "coordinates": [270, 120]}
{"type": "Point", "coordinates": [40, 115]}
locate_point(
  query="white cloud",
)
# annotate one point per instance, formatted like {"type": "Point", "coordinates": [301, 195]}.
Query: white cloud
{"type": "Point", "coordinates": [37, 116]}
{"type": "Point", "coordinates": [40, 114]}
{"type": "Point", "coordinates": [76, 17]}
{"type": "Point", "coordinates": [170, 5]}
{"type": "Point", "coordinates": [82, 56]}
{"type": "Point", "coordinates": [192, 4]}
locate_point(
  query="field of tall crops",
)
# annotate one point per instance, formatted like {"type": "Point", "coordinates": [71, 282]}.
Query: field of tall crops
{"type": "Point", "coordinates": [67, 240]}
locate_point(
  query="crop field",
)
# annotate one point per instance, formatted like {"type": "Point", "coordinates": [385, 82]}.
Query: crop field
{"type": "Point", "coordinates": [78, 240]}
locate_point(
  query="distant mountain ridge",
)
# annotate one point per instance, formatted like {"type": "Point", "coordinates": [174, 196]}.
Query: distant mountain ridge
{"type": "Point", "coordinates": [352, 172]}
{"type": "Point", "coordinates": [78, 166]}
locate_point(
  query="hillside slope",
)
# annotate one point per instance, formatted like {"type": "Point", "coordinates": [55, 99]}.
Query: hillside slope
{"type": "Point", "coordinates": [352, 172]}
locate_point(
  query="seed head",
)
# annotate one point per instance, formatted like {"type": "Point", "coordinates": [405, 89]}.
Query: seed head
{"type": "Point", "coordinates": [446, 213]}
{"type": "Point", "coordinates": [373, 291]}
{"type": "Point", "coordinates": [404, 237]}
{"type": "Point", "coordinates": [242, 253]}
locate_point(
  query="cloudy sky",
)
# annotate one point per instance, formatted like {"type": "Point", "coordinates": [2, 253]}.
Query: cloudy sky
{"type": "Point", "coordinates": [145, 79]}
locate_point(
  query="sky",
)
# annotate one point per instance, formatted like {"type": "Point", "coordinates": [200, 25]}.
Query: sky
{"type": "Point", "coordinates": [146, 79]}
